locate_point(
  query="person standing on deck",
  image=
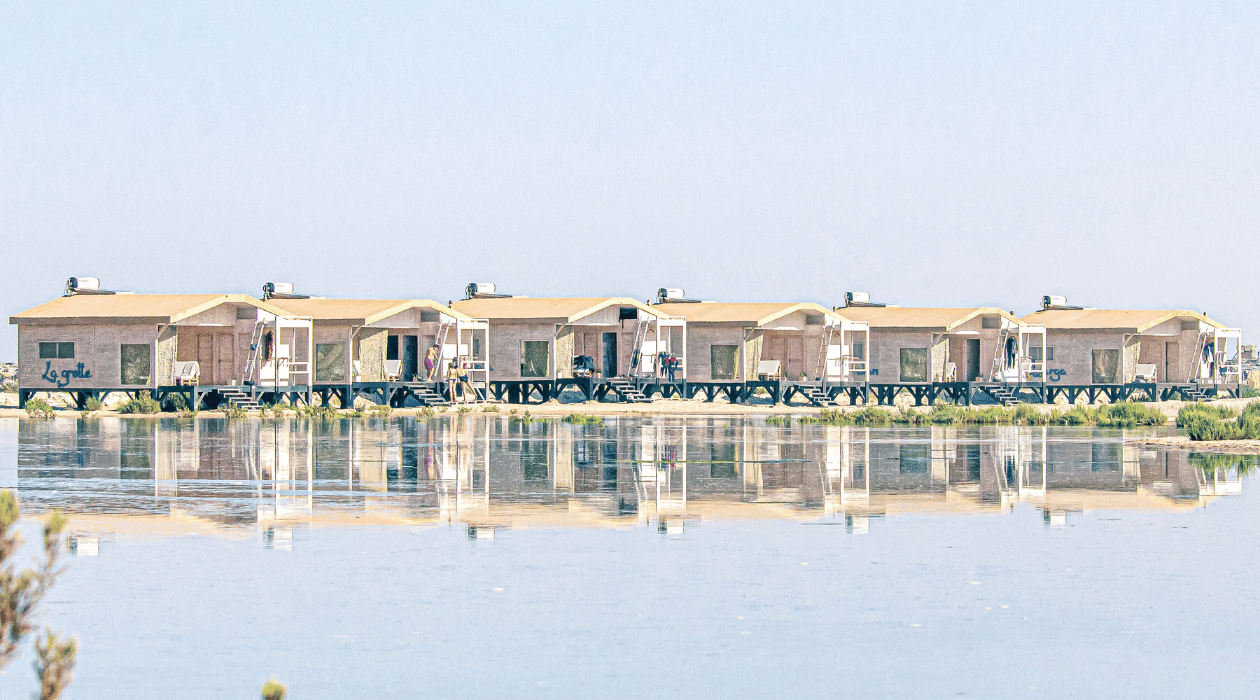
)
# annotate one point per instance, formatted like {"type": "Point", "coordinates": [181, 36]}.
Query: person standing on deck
{"type": "Point", "coordinates": [430, 362]}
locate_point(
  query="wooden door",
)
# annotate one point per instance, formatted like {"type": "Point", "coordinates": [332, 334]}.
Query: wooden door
{"type": "Point", "coordinates": [793, 357]}
{"type": "Point", "coordinates": [224, 358]}
{"type": "Point", "coordinates": [205, 358]}
{"type": "Point", "coordinates": [1172, 360]}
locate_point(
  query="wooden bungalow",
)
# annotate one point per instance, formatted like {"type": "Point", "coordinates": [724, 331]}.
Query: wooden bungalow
{"type": "Point", "coordinates": [535, 342]}
{"type": "Point", "coordinates": [1167, 351]}
{"type": "Point", "coordinates": [801, 344]}
{"type": "Point", "coordinates": [920, 349]}
{"type": "Point", "coordinates": [378, 346]}
{"type": "Point", "coordinates": [90, 345]}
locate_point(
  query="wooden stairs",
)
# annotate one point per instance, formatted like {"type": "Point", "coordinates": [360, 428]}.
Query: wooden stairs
{"type": "Point", "coordinates": [816, 396]}
{"type": "Point", "coordinates": [428, 397]}
{"type": "Point", "coordinates": [1003, 395]}
{"type": "Point", "coordinates": [626, 391]}
{"type": "Point", "coordinates": [239, 399]}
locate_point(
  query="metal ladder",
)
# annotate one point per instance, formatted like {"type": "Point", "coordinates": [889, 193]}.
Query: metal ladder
{"type": "Point", "coordinates": [255, 348]}
{"type": "Point", "coordinates": [828, 334]}
{"type": "Point", "coordinates": [636, 346]}
{"type": "Point", "coordinates": [1196, 363]}
{"type": "Point", "coordinates": [999, 363]}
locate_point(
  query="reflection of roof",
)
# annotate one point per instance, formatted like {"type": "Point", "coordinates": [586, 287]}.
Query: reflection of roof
{"type": "Point", "coordinates": [134, 308]}
{"type": "Point", "coordinates": [1111, 319]}
{"type": "Point", "coordinates": [360, 311]}
{"type": "Point", "coordinates": [741, 312]}
{"type": "Point", "coordinates": [567, 309]}
{"type": "Point", "coordinates": [919, 317]}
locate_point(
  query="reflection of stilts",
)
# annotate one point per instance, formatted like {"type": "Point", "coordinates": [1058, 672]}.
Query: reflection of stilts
{"type": "Point", "coordinates": [846, 478]}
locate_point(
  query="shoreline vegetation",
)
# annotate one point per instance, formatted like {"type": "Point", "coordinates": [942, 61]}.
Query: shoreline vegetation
{"type": "Point", "coordinates": [1201, 422]}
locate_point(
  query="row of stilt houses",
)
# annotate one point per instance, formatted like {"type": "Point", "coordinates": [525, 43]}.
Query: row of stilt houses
{"type": "Point", "coordinates": [246, 351]}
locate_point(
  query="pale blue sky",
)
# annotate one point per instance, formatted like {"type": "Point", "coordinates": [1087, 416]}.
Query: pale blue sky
{"type": "Point", "coordinates": [932, 154]}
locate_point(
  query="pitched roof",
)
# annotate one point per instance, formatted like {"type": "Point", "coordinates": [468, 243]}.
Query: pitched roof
{"type": "Point", "coordinates": [753, 313]}
{"type": "Point", "coordinates": [939, 319]}
{"type": "Point", "coordinates": [566, 309]}
{"type": "Point", "coordinates": [1111, 319]}
{"type": "Point", "coordinates": [359, 311]}
{"type": "Point", "coordinates": [133, 308]}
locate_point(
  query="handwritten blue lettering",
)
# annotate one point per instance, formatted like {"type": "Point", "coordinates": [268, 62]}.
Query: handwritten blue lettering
{"type": "Point", "coordinates": [1056, 374]}
{"type": "Point", "coordinates": [62, 379]}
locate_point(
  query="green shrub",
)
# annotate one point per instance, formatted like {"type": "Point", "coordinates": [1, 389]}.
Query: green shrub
{"type": "Point", "coordinates": [585, 419]}
{"type": "Point", "coordinates": [1127, 414]}
{"type": "Point", "coordinates": [143, 404]}
{"type": "Point", "coordinates": [490, 409]}
{"type": "Point", "coordinates": [780, 421]}
{"type": "Point", "coordinates": [176, 402]}
{"type": "Point", "coordinates": [1190, 410]}
{"type": "Point", "coordinates": [236, 413]}
{"type": "Point", "coordinates": [869, 416]}
{"type": "Point", "coordinates": [38, 408]}
{"type": "Point", "coordinates": [1248, 392]}
{"type": "Point", "coordinates": [92, 404]}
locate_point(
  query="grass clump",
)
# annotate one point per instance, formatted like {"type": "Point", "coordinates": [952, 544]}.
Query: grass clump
{"type": "Point", "coordinates": [92, 404]}
{"type": "Point", "coordinates": [524, 419]}
{"type": "Point", "coordinates": [1193, 411]}
{"type": "Point", "coordinates": [1206, 426]}
{"type": "Point", "coordinates": [586, 419]}
{"type": "Point", "coordinates": [490, 409]}
{"type": "Point", "coordinates": [142, 404]}
{"type": "Point", "coordinates": [780, 421]}
{"type": "Point", "coordinates": [236, 413]}
{"type": "Point", "coordinates": [316, 412]}
{"type": "Point", "coordinates": [1128, 414]}
{"type": "Point", "coordinates": [39, 408]}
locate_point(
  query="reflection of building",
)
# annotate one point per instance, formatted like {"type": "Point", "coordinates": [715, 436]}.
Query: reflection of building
{"type": "Point", "coordinates": [495, 471]}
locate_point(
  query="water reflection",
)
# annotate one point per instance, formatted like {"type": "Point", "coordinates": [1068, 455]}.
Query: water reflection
{"type": "Point", "coordinates": [491, 473]}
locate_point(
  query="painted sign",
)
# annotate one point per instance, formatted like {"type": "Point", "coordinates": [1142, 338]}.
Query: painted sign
{"type": "Point", "coordinates": [1055, 374]}
{"type": "Point", "coordinates": [62, 378]}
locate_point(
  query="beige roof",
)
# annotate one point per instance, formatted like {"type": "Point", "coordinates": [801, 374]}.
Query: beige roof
{"type": "Point", "coordinates": [133, 308]}
{"type": "Point", "coordinates": [936, 319]}
{"type": "Point", "coordinates": [1111, 319]}
{"type": "Point", "coordinates": [358, 311]}
{"type": "Point", "coordinates": [563, 309]}
{"type": "Point", "coordinates": [751, 313]}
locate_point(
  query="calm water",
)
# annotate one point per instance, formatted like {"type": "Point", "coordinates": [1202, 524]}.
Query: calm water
{"type": "Point", "coordinates": [470, 556]}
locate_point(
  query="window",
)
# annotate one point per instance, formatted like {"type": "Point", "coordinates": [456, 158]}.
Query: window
{"type": "Point", "coordinates": [391, 347]}
{"type": "Point", "coordinates": [1106, 366]}
{"type": "Point", "coordinates": [628, 313]}
{"type": "Point", "coordinates": [136, 364]}
{"type": "Point", "coordinates": [428, 317]}
{"type": "Point", "coordinates": [1034, 353]}
{"type": "Point", "coordinates": [914, 364]}
{"type": "Point", "coordinates": [859, 351]}
{"type": "Point", "coordinates": [722, 359]}
{"type": "Point", "coordinates": [476, 349]}
{"type": "Point", "coordinates": [813, 319]}
{"type": "Point", "coordinates": [330, 362]}
{"type": "Point", "coordinates": [246, 313]}
{"type": "Point", "coordinates": [56, 351]}
{"type": "Point", "coordinates": [990, 322]}
{"type": "Point", "coordinates": [534, 358]}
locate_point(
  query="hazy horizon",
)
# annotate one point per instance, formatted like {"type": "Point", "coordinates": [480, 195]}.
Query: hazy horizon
{"type": "Point", "coordinates": [959, 155]}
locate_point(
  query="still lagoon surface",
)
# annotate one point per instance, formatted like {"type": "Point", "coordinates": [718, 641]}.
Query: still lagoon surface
{"type": "Point", "coordinates": [480, 556]}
